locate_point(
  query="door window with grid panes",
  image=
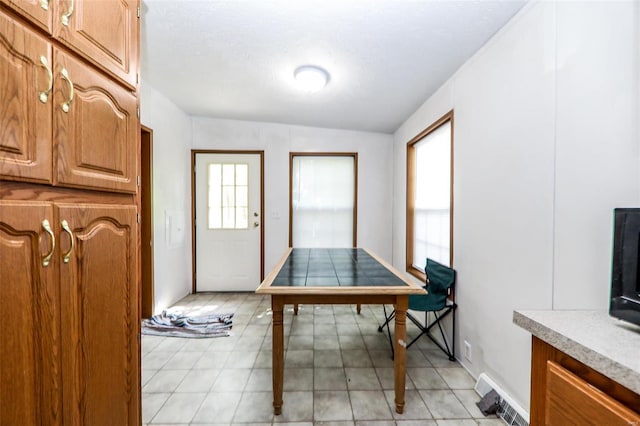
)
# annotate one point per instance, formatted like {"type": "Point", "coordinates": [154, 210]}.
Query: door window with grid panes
{"type": "Point", "coordinates": [228, 200]}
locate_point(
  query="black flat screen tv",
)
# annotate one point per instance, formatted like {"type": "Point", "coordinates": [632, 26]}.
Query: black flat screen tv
{"type": "Point", "coordinates": [625, 279]}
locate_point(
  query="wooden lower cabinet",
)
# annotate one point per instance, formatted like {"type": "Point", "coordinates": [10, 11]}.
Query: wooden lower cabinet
{"type": "Point", "coordinates": [100, 365]}
{"type": "Point", "coordinates": [571, 400]}
{"type": "Point", "coordinates": [70, 355]}
{"type": "Point", "coordinates": [565, 391]}
{"type": "Point", "coordinates": [30, 381]}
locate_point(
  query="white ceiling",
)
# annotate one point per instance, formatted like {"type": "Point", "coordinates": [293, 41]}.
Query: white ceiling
{"type": "Point", "coordinates": [235, 58]}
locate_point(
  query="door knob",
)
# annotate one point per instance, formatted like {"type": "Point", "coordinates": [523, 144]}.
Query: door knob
{"type": "Point", "coordinates": [255, 214]}
{"type": "Point", "coordinates": [256, 224]}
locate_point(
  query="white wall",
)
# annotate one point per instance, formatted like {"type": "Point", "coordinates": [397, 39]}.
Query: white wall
{"type": "Point", "coordinates": [171, 196]}
{"type": "Point", "coordinates": [547, 136]}
{"type": "Point", "coordinates": [175, 133]}
{"type": "Point", "coordinates": [277, 140]}
{"type": "Point", "coordinates": [598, 117]}
{"type": "Point", "coordinates": [545, 145]}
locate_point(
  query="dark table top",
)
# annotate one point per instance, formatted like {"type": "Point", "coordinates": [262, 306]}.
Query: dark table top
{"type": "Point", "coordinates": [336, 272]}
{"type": "Point", "coordinates": [330, 267]}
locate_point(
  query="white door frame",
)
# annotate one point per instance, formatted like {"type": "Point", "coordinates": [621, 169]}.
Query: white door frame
{"type": "Point", "coordinates": [194, 152]}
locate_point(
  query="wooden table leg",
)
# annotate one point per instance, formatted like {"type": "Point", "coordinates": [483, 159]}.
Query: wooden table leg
{"type": "Point", "coordinates": [400, 347]}
{"type": "Point", "coordinates": [359, 308]}
{"type": "Point", "coordinates": [277, 357]}
{"type": "Point", "coordinates": [295, 309]}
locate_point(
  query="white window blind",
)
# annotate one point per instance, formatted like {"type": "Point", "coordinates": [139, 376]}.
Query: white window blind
{"type": "Point", "coordinates": [323, 192]}
{"type": "Point", "coordinates": [432, 197]}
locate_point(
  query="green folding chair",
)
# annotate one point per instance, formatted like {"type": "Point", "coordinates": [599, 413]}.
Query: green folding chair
{"type": "Point", "coordinates": [438, 301]}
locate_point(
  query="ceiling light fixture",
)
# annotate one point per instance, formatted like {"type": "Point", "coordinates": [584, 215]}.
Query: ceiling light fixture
{"type": "Point", "coordinates": [311, 78]}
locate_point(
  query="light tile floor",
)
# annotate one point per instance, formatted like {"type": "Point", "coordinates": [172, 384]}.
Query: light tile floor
{"type": "Point", "coordinates": [338, 372]}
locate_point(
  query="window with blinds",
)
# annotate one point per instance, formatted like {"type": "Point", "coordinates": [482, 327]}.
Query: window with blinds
{"type": "Point", "coordinates": [323, 200]}
{"type": "Point", "coordinates": [429, 196]}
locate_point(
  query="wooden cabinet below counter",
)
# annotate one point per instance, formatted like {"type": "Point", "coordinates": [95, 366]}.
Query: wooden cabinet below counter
{"type": "Point", "coordinates": [566, 391]}
{"type": "Point", "coordinates": [571, 400]}
{"type": "Point", "coordinates": [70, 351]}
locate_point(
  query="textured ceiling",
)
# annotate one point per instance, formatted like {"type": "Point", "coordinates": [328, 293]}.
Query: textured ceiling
{"type": "Point", "coordinates": [235, 58]}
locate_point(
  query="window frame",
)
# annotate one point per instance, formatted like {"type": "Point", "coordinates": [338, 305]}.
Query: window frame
{"type": "Point", "coordinates": [354, 155]}
{"type": "Point", "coordinates": [221, 201]}
{"type": "Point", "coordinates": [410, 200]}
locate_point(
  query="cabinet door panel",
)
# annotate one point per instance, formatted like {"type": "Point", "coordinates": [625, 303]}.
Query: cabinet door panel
{"type": "Point", "coordinates": [39, 12]}
{"type": "Point", "coordinates": [571, 400]}
{"type": "Point", "coordinates": [100, 319]}
{"type": "Point", "coordinates": [29, 348]}
{"type": "Point", "coordinates": [25, 120]}
{"type": "Point", "coordinates": [104, 31]}
{"type": "Point", "coordinates": [96, 140]}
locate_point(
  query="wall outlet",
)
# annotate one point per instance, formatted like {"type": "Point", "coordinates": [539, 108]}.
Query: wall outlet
{"type": "Point", "coordinates": [467, 351]}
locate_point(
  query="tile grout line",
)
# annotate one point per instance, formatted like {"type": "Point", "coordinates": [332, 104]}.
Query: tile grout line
{"type": "Point", "coordinates": [364, 341]}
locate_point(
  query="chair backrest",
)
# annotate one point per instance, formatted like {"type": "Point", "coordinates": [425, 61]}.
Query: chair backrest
{"type": "Point", "coordinates": [440, 278]}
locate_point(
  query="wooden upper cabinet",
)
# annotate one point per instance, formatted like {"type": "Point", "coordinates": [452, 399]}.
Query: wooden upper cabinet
{"type": "Point", "coordinates": [100, 318]}
{"type": "Point", "coordinates": [96, 129]}
{"type": "Point", "coordinates": [39, 12]}
{"type": "Point", "coordinates": [25, 103]}
{"type": "Point", "coordinates": [30, 342]}
{"type": "Point", "coordinates": [106, 32]}
{"type": "Point", "coordinates": [61, 121]}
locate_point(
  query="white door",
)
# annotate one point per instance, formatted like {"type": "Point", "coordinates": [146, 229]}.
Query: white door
{"type": "Point", "coordinates": [228, 221]}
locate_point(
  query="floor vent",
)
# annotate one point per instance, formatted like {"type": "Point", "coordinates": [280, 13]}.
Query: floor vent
{"type": "Point", "coordinates": [509, 411]}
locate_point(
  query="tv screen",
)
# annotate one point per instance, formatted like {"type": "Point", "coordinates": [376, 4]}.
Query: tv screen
{"type": "Point", "coordinates": [625, 285]}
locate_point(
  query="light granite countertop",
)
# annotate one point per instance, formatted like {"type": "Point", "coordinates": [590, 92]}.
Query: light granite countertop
{"type": "Point", "coordinates": [608, 345]}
